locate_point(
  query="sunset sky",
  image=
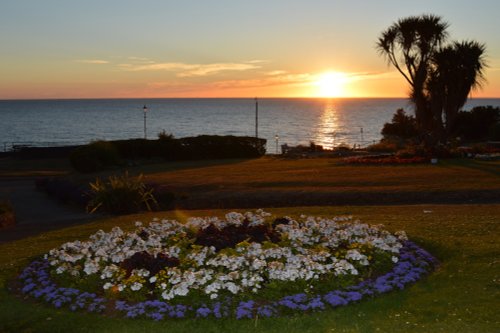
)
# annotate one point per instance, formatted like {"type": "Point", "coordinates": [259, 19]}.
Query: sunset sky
{"type": "Point", "coordinates": [219, 48]}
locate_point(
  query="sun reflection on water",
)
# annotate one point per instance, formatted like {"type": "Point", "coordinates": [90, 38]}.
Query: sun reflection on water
{"type": "Point", "coordinates": [328, 131]}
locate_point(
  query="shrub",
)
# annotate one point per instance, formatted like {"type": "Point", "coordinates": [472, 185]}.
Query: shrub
{"type": "Point", "coordinates": [137, 148]}
{"type": "Point", "coordinates": [7, 216]}
{"type": "Point", "coordinates": [102, 154]}
{"type": "Point", "coordinates": [121, 194]}
{"type": "Point", "coordinates": [165, 198]}
{"type": "Point", "coordinates": [168, 147]}
{"type": "Point", "coordinates": [494, 132]}
{"type": "Point", "coordinates": [95, 157]}
{"type": "Point", "coordinates": [165, 136]}
{"type": "Point", "coordinates": [383, 146]}
{"type": "Point", "coordinates": [402, 126]}
{"type": "Point", "coordinates": [477, 124]}
{"type": "Point", "coordinates": [214, 146]}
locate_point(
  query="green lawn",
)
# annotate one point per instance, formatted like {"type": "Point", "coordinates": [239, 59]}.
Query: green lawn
{"type": "Point", "coordinates": [463, 295]}
{"type": "Point", "coordinates": [285, 175]}
{"type": "Point", "coordinates": [330, 174]}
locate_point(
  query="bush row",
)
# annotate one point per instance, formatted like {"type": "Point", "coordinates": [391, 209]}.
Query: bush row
{"type": "Point", "coordinates": [101, 154]}
{"type": "Point", "coordinates": [482, 123]}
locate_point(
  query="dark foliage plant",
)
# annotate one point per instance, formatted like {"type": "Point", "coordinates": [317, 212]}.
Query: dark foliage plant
{"type": "Point", "coordinates": [121, 194]}
{"type": "Point", "coordinates": [231, 235]}
{"type": "Point", "coordinates": [144, 260]}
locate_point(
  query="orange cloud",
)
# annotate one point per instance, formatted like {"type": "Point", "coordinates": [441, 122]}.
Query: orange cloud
{"type": "Point", "coordinates": [93, 61]}
{"type": "Point", "coordinates": [191, 70]}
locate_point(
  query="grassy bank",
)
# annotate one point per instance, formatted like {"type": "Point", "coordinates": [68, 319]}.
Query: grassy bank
{"type": "Point", "coordinates": [277, 182]}
{"type": "Point", "coordinates": [462, 296]}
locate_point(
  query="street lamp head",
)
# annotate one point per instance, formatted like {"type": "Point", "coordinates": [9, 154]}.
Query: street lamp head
{"type": "Point", "coordinates": [145, 109]}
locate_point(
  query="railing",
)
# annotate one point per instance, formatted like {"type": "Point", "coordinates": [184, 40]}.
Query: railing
{"type": "Point", "coordinates": [19, 145]}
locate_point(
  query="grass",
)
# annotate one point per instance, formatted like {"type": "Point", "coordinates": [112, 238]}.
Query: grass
{"type": "Point", "coordinates": [461, 296]}
{"type": "Point", "coordinates": [278, 182]}
{"type": "Point", "coordinates": [275, 174]}
{"type": "Point", "coordinates": [331, 174]}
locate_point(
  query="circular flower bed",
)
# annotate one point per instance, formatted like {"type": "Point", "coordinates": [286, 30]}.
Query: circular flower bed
{"type": "Point", "coordinates": [385, 160]}
{"type": "Point", "coordinates": [242, 266]}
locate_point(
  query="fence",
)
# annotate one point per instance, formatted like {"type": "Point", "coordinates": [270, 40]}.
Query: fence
{"type": "Point", "coordinates": [19, 145]}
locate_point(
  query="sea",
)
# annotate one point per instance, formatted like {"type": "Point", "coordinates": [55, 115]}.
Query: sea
{"type": "Point", "coordinates": [291, 121]}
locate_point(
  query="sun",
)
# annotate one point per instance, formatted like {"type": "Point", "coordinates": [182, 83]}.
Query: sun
{"type": "Point", "coordinates": [331, 84]}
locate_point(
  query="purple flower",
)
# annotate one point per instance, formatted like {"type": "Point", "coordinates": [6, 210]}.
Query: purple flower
{"type": "Point", "coordinates": [203, 312]}
{"type": "Point", "coordinates": [334, 299]}
{"type": "Point", "coordinates": [156, 316]}
{"type": "Point", "coordinates": [353, 296]}
{"type": "Point", "coordinates": [288, 303]}
{"type": "Point", "coordinates": [245, 309]}
{"type": "Point", "coordinates": [413, 263]}
{"type": "Point", "coordinates": [265, 311]}
{"type": "Point", "coordinates": [316, 303]}
{"type": "Point", "coordinates": [27, 288]}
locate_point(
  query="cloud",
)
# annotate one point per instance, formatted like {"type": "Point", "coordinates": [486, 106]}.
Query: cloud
{"type": "Point", "coordinates": [161, 85]}
{"type": "Point", "coordinates": [274, 73]}
{"type": "Point", "coordinates": [93, 61]}
{"type": "Point", "coordinates": [277, 79]}
{"type": "Point", "coordinates": [140, 59]}
{"type": "Point", "coordinates": [373, 75]}
{"type": "Point", "coordinates": [192, 70]}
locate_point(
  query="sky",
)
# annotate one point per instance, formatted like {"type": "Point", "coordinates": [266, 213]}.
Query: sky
{"type": "Point", "coordinates": [219, 48]}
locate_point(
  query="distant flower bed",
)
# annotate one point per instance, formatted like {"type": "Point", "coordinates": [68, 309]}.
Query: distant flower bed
{"type": "Point", "coordinates": [241, 266]}
{"type": "Point", "coordinates": [385, 160]}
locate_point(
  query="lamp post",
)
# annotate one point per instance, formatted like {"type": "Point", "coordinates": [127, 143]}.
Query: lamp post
{"type": "Point", "coordinates": [362, 136]}
{"type": "Point", "coordinates": [256, 117]}
{"type": "Point", "coordinates": [276, 137]}
{"type": "Point", "coordinates": [145, 109]}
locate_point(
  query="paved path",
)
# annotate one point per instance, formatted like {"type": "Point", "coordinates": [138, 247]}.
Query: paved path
{"type": "Point", "coordinates": [35, 211]}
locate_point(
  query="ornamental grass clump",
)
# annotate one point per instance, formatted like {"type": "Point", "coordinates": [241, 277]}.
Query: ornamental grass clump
{"type": "Point", "coordinates": [121, 194]}
{"type": "Point", "coordinates": [263, 267]}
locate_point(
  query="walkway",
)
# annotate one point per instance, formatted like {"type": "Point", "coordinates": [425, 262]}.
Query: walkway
{"type": "Point", "coordinates": [35, 211]}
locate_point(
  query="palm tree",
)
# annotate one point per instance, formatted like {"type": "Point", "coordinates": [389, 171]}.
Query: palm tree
{"type": "Point", "coordinates": [409, 45]}
{"type": "Point", "coordinates": [457, 69]}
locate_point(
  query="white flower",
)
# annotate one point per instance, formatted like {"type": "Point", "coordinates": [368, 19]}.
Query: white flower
{"type": "Point", "coordinates": [313, 241]}
{"type": "Point", "coordinates": [136, 286]}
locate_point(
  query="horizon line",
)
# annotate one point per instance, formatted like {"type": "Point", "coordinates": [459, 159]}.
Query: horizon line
{"type": "Point", "coordinates": [157, 98]}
